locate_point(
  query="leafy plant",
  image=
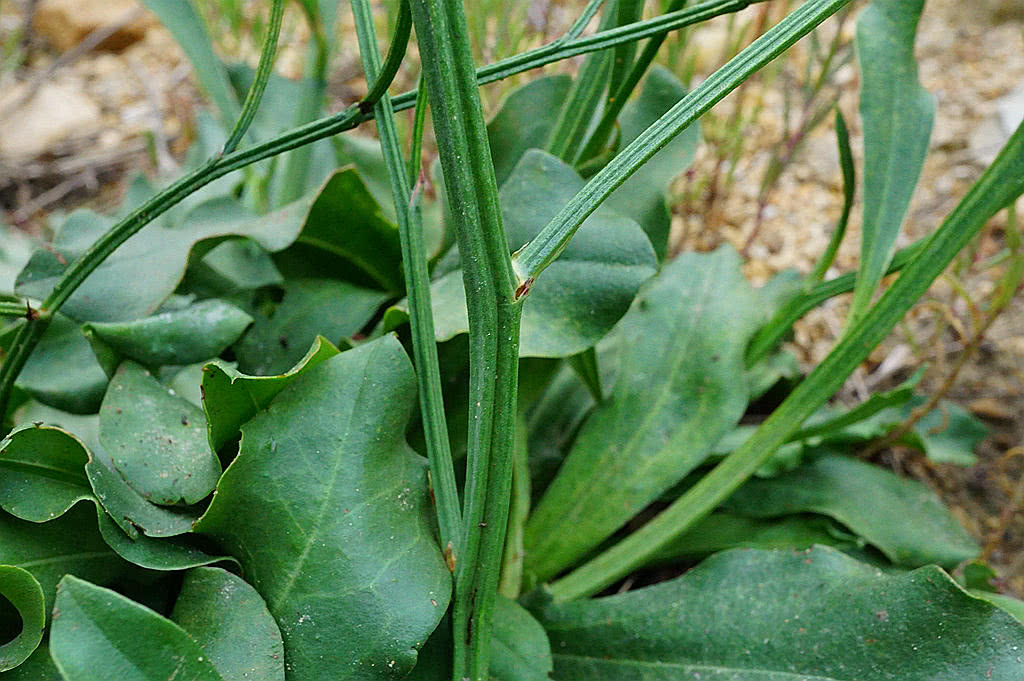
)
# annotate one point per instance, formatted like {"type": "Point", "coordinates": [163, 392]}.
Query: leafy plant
{"type": "Point", "coordinates": [224, 374]}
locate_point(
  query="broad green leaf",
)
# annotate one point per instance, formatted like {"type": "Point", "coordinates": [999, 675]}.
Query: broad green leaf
{"type": "Point", "coordinates": [62, 370]}
{"type": "Point", "coordinates": [680, 388]}
{"type": "Point", "coordinates": [519, 648]}
{"type": "Point", "coordinates": [326, 508]}
{"type": "Point", "coordinates": [153, 260]}
{"type": "Point", "coordinates": [38, 667]}
{"type": "Point", "coordinates": [897, 114]}
{"type": "Point", "coordinates": [902, 518]}
{"type": "Point", "coordinates": [230, 398]}
{"type": "Point", "coordinates": [722, 531]}
{"type": "Point", "coordinates": [42, 473]}
{"type": "Point", "coordinates": [583, 293]}
{"type": "Point", "coordinates": [346, 230]}
{"type": "Point", "coordinates": [22, 590]}
{"type": "Point", "coordinates": [15, 249]}
{"type": "Point", "coordinates": [50, 550]}
{"type": "Point", "coordinates": [189, 31]}
{"type": "Point", "coordinates": [817, 615]}
{"type": "Point", "coordinates": [524, 121]}
{"type": "Point", "coordinates": [1010, 604]}
{"type": "Point", "coordinates": [99, 634]}
{"type": "Point", "coordinates": [196, 333]}
{"type": "Point", "coordinates": [156, 439]}
{"type": "Point", "coordinates": [278, 340]}
{"type": "Point", "coordinates": [229, 268]}
{"type": "Point", "coordinates": [644, 195]}
{"type": "Point", "coordinates": [230, 622]}
{"type": "Point", "coordinates": [132, 512]}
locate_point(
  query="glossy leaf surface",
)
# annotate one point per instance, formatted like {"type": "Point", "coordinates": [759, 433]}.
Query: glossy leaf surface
{"type": "Point", "coordinates": [749, 615]}
{"type": "Point", "coordinates": [680, 387]}
{"type": "Point", "coordinates": [326, 509]}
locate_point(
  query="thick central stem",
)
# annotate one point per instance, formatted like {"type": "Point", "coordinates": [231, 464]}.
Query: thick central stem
{"type": "Point", "coordinates": [494, 315]}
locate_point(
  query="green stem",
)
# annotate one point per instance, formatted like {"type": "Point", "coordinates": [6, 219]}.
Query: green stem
{"type": "Point", "coordinates": [623, 88]}
{"type": "Point", "coordinates": [1000, 185]}
{"type": "Point", "coordinates": [494, 315]}
{"type": "Point", "coordinates": [12, 309]}
{"type": "Point", "coordinates": [512, 561]}
{"type": "Point", "coordinates": [307, 134]}
{"type": "Point", "coordinates": [535, 256]}
{"type": "Point", "coordinates": [396, 53]}
{"type": "Point", "coordinates": [849, 189]}
{"type": "Point", "coordinates": [768, 337]}
{"type": "Point", "coordinates": [259, 85]}
{"type": "Point", "coordinates": [418, 126]}
{"type": "Point", "coordinates": [417, 285]}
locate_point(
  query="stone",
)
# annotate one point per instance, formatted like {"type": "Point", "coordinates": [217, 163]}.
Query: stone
{"type": "Point", "coordinates": [57, 113]}
{"type": "Point", "coordinates": [1011, 110]}
{"type": "Point", "coordinates": [66, 23]}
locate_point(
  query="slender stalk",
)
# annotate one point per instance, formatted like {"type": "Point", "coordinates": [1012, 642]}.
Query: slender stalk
{"type": "Point", "coordinates": [259, 85]}
{"type": "Point", "coordinates": [535, 256]}
{"type": "Point", "coordinates": [765, 340]}
{"type": "Point", "coordinates": [417, 285]}
{"type": "Point", "coordinates": [849, 189]}
{"type": "Point", "coordinates": [418, 126]}
{"type": "Point", "coordinates": [623, 88]}
{"type": "Point", "coordinates": [307, 134]}
{"type": "Point", "coordinates": [512, 561]}
{"type": "Point", "coordinates": [1001, 184]}
{"type": "Point", "coordinates": [12, 309]}
{"type": "Point", "coordinates": [396, 53]}
{"type": "Point", "coordinates": [494, 315]}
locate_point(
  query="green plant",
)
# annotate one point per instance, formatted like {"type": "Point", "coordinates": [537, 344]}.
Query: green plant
{"type": "Point", "coordinates": [258, 355]}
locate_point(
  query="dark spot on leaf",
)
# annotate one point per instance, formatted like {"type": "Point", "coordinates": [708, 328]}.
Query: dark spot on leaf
{"type": "Point", "coordinates": [283, 341]}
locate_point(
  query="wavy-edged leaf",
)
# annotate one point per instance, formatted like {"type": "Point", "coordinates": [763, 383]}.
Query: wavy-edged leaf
{"type": "Point", "coordinates": [902, 518]}
{"type": "Point", "coordinates": [68, 544]}
{"type": "Point", "coordinates": [99, 634]}
{"type": "Point", "coordinates": [230, 622]}
{"type": "Point", "coordinates": [42, 473]}
{"type": "Point", "coordinates": [897, 115]}
{"type": "Point", "coordinates": [346, 231]}
{"type": "Point", "coordinates": [23, 591]}
{"type": "Point", "coordinates": [186, 336]}
{"type": "Point", "coordinates": [680, 387]}
{"type": "Point", "coordinates": [644, 195]}
{"type": "Point", "coordinates": [156, 439]}
{"type": "Point", "coordinates": [309, 308]}
{"type": "Point", "coordinates": [325, 506]}
{"type": "Point", "coordinates": [750, 615]}
{"type": "Point", "coordinates": [230, 398]}
{"type": "Point", "coordinates": [583, 293]}
{"type": "Point", "coordinates": [62, 371]}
